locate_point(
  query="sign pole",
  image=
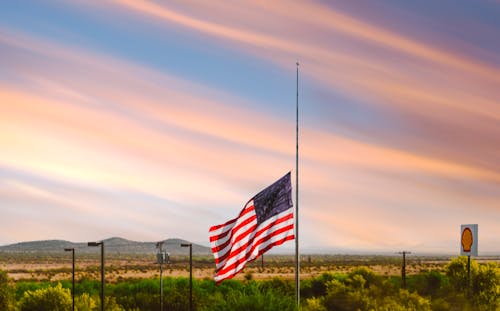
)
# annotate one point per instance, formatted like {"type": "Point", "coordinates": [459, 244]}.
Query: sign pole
{"type": "Point", "coordinates": [468, 272]}
{"type": "Point", "coordinates": [468, 247]}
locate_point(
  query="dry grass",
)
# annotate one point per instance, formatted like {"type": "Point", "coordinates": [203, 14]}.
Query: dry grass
{"type": "Point", "coordinates": [50, 267]}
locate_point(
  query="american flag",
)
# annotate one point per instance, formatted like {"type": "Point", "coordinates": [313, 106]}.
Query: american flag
{"type": "Point", "coordinates": [265, 221]}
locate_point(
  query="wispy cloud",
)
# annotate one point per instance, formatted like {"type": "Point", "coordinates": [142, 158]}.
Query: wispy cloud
{"type": "Point", "coordinates": [108, 129]}
{"type": "Point", "coordinates": [431, 86]}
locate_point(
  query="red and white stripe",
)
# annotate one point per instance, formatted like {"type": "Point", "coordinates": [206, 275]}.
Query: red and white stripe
{"type": "Point", "coordinates": [241, 240]}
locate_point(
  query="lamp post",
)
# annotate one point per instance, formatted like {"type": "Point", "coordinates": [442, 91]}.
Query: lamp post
{"type": "Point", "coordinates": [102, 269]}
{"type": "Point", "coordinates": [72, 250]}
{"type": "Point", "coordinates": [190, 245]}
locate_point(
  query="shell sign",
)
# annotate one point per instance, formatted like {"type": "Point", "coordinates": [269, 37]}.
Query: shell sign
{"type": "Point", "coordinates": [468, 240]}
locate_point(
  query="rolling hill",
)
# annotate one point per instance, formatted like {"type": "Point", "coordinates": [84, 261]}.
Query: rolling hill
{"type": "Point", "coordinates": [114, 245]}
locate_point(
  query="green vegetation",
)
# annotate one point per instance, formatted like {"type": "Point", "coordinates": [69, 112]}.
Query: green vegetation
{"type": "Point", "coordinates": [7, 301]}
{"type": "Point", "coordinates": [364, 290]}
{"type": "Point", "coordinates": [52, 298]}
{"type": "Point", "coordinates": [360, 289]}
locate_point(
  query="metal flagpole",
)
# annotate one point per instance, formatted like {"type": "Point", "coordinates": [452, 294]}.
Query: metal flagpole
{"type": "Point", "coordinates": [297, 264]}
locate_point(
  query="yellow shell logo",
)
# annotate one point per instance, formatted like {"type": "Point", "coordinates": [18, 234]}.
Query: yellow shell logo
{"type": "Point", "coordinates": [467, 240]}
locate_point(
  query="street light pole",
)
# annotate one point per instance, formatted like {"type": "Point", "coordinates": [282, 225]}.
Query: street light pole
{"type": "Point", "coordinates": [72, 250]}
{"type": "Point", "coordinates": [102, 269]}
{"type": "Point", "coordinates": [190, 245]}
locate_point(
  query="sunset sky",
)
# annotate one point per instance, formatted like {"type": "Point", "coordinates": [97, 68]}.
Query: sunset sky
{"type": "Point", "coordinates": [156, 119]}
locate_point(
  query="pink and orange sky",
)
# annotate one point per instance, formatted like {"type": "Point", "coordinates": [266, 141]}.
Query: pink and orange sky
{"type": "Point", "coordinates": [149, 120]}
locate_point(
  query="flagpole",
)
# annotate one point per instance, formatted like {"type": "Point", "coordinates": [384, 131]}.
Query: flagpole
{"type": "Point", "coordinates": [297, 264]}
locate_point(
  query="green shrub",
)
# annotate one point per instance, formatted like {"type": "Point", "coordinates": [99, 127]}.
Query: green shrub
{"type": "Point", "coordinates": [486, 287]}
{"type": "Point", "coordinates": [110, 304]}
{"type": "Point", "coordinates": [142, 294]}
{"type": "Point", "coordinates": [315, 287]}
{"type": "Point", "coordinates": [85, 303]}
{"type": "Point", "coordinates": [431, 283]}
{"type": "Point", "coordinates": [22, 287]}
{"type": "Point", "coordinates": [314, 304]}
{"type": "Point", "coordinates": [483, 291]}
{"type": "Point", "coordinates": [7, 297]}
{"type": "Point", "coordinates": [412, 301]}
{"type": "Point", "coordinates": [46, 299]}
{"type": "Point", "coordinates": [369, 277]}
{"type": "Point", "coordinates": [252, 298]}
{"type": "Point", "coordinates": [277, 286]}
{"type": "Point", "coordinates": [456, 271]}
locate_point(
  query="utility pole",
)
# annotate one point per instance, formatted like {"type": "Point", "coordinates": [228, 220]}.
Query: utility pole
{"type": "Point", "coordinates": [403, 268]}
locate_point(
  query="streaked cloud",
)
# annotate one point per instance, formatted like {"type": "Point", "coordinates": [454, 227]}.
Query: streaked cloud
{"type": "Point", "coordinates": [106, 128]}
{"type": "Point", "coordinates": [432, 86]}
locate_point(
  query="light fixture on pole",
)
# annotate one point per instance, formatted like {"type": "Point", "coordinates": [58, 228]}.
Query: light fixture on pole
{"type": "Point", "coordinates": [190, 245]}
{"type": "Point", "coordinates": [161, 258]}
{"type": "Point", "coordinates": [72, 250]}
{"type": "Point", "coordinates": [102, 269]}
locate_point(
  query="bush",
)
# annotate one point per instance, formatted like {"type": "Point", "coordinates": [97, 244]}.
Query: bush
{"type": "Point", "coordinates": [110, 304]}
{"type": "Point", "coordinates": [142, 294]}
{"type": "Point", "coordinates": [315, 287]}
{"type": "Point", "coordinates": [7, 299]}
{"type": "Point", "coordinates": [412, 301]}
{"type": "Point", "coordinates": [429, 283]}
{"type": "Point", "coordinates": [365, 290]}
{"type": "Point", "coordinates": [486, 287]}
{"type": "Point", "coordinates": [46, 299]}
{"type": "Point", "coordinates": [368, 277]}
{"type": "Point", "coordinates": [85, 303]}
{"type": "Point", "coordinates": [483, 293]}
{"type": "Point", "coordinates": [314, 304]}
{"type": "Point", "coordinates": [456, 271]}
{"type": "Point", "coordinates": [277, 286]}
{"type": "Point", "coordinates": [252, 298]}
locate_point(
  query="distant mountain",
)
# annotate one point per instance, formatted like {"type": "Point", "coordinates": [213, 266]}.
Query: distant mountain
{"type": "Point", "coordinates": [114, 245]}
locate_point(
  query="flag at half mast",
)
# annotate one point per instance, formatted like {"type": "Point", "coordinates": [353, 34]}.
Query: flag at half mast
{"type": "Point", "coordinates": [265, 221]}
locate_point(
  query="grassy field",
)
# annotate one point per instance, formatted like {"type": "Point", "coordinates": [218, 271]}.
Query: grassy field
{"type": "Point", "coordinates": [55, 266]}
{"type": "Point", "coordinates": [330, 282]}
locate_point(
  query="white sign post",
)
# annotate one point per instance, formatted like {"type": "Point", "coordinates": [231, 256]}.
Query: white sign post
{"type": "Point", "coordinates": [468, 240]}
